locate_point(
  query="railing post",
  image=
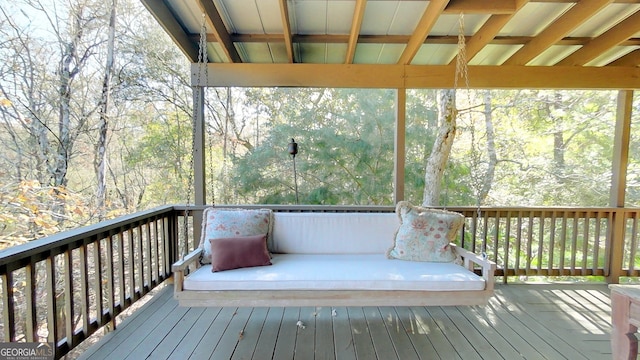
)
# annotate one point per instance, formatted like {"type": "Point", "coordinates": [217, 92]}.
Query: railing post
{"type": "Point", "coordinates": [616, 236]}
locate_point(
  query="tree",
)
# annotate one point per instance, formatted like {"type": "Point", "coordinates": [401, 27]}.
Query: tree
{"type": "Point", "coordinates": [437, 161]}
{"type": "Point", "coordinates": [100, 161]}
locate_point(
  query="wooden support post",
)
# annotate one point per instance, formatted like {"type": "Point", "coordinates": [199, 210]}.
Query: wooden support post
{"type": "Point", "coordinates": [618, 184]}
{"type": "Point", "coordinates": [399, 145]}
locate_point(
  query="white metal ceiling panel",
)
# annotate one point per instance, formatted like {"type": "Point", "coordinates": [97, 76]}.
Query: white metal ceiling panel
{"type": "Point", "coordinates": [611, 55]}
{"type": "Point", "coordinates": [340, 16]}
{"type": "Point", "coordinates": [310, 17]}
{"type": "Point", "coordinates": [256, 52]}
{"type": "Point", "coordinates": [390, 53]}
{"type": "Point", "coordinates": [553, 55]}
{"type": "Point", "coordinates": [407, 17]}
{"type": "Point", "coordinates": [533, 18]}
{"type": "Point", "coordinates": [378, 53]}
{"type": "Point", "coordinates": [599, 23]}
{"type": "Point", "coordinates": [189, 14]}
{"type": "Point", "coordinates": [449, 25]}
{"type": "Point", "coordinates": [312, 53]}
{"type": "Point", "coordinates": [279, 52]}
{"type": "Point", "coordinates": [378, 16]}
{"type": "Point", "coordinates": [270, 17]}
{"type": "Point", "coordinates": [494, 54]}
{"type": "Point", "coordinates": [336, 53]}
{"type": "Point", "coordinates": [435, 54]}
{"type": "Point", "coordinates": [215, 53]}
{"type": "Point", "coordinates": [243, 16]}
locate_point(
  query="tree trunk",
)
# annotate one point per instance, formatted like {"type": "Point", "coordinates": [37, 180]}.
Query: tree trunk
{"type": "Point", "coordinates": [559, 146]}
{"type": "Point", "coordinates": [100, 161]}
{"type": "Point", "coordinates": [491, 150]}
{"type": "Point", "coordinates": [437, 161]}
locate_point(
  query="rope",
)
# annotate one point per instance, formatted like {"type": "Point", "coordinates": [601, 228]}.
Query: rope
{"type": "Point", "coordinates": [462, 71]}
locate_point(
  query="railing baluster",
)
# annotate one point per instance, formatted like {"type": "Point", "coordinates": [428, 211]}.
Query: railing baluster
{"type": "Point", "coordinates": [474, 235]}
{"type": "Point", "coordinates": [609, 239]}
{"type": "Point", "coordinates": [50, 291]}
{"type": "Point", "coordinates": [563, 244]}
{"type": "Point", "coordinates": [31, 323]}
{"type": "Point", "coordinates": [131, 262]}
{"type": "Point", "coordinates": [541, 240]}
{"type": "Point", "coordinates": [165, 247]}
{"type": "Point", "coordinates": [121, 282]}
{"type": "Point", "coordinates": [84, 290]}
{"type": "Point", "coordinates": [529, 242]}
{"type": "Point", "coordinates": [109, 281]}
{"type": "Point", "coordinates": [139, 256]}
{"type": "Point", "coordinates": [149, 260]}
{"type": "Point", "coordinates": [97, 281]}
{"type": "Point", "coordinates": [518, 244]}
{"type": "Point", "coordinates": [552, 243]}
{"type": "Point", "coordinates": [596, 243]}
{"type": "Point", "coordinates": [156, 253]}
{"type": "Point", "coordinates": [68, 296]}
{"type": "Point", "coordinates": [8, 308]}
{"type": "Point", "coordinates": [506, 241]}
{"type": "Point", "coordinates": [585, 241]}
{"type": "Point", "coordinates": [631, 243]}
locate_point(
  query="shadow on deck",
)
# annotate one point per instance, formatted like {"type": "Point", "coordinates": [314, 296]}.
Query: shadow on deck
{"type": "Point", "coordinates": [550, 321]}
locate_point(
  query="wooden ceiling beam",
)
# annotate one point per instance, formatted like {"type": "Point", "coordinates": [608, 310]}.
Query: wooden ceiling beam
{"type": "Point", "coordinates": [286, 27]}
{"type": "Point", "coordinates": [167, 20]}
{"type": "Point", "coordinates": [570, 20]}
{"type": "Point", "coordinates": [219, 30]}
{"type": "Point", "coordinates": [397, 76]}
{"type": "Point", "coordinates": [611, 38]}
{"type": "Point", "coordinates": [481, 7]}
{"type": "Point", "coordinates": [429, 17]}
{"type": "Point", "coordinates": [631, 59]}
{"type": "Point", "coordinates": [487, 33]}
{"type": "Point", "coordinates": [356, 25]}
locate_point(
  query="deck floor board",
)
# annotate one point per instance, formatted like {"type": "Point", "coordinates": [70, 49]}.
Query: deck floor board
{"type": "Point", "coordinates": [522, 321]}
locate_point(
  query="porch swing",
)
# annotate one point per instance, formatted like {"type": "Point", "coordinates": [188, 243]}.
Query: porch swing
{"type": "Point", "coordinates": [260, 257]}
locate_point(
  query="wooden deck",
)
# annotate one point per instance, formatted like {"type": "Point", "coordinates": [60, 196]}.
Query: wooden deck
{"type": "Point", "coordinates": [549, 321]}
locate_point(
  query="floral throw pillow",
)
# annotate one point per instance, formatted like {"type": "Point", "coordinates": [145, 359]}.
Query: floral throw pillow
{"type": "Point", "coordinates": [229, 223]}
{"type": "Point", "coordinates": [424, 234]}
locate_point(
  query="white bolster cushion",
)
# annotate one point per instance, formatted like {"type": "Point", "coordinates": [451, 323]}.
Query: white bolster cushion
{"type": "Point", "coordinates": [333, 233]}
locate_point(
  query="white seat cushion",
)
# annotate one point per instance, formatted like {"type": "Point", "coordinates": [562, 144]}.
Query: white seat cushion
{"type": "Point", "coordinates": [338, 272]}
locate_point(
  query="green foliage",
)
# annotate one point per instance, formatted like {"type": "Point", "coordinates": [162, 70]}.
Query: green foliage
{"type": "Point", "coordinates": [345, 139]}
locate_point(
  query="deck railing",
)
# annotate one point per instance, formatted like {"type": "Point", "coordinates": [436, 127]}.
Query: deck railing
{"type": "Point", "coordinates": [63, 288]}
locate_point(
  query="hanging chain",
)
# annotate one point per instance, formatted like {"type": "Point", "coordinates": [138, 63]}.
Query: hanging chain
{"type": "Point", "coordinates": [202, 59]}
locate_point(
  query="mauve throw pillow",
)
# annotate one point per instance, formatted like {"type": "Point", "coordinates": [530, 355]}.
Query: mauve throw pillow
{"type": "Point", "coordinates": [239, 252]}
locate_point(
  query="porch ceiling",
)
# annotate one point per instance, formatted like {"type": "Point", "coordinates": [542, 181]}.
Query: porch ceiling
{"type": "Point", "coordinates": [509, 43]}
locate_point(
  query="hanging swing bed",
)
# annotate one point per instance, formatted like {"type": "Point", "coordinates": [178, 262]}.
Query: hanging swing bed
{"type": "Point", "coordinates": [258, 257]}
